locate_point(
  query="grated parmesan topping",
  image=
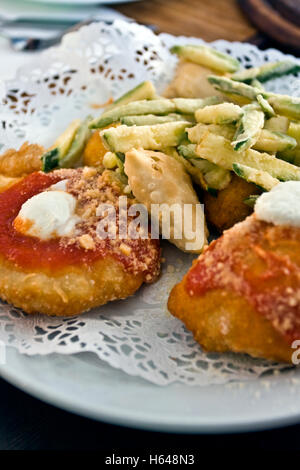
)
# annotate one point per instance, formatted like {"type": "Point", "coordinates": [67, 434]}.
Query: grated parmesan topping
{"type": "Point", "coordinates": [90, 189]}
{"type": "Point", "coordinates": [260, 262]}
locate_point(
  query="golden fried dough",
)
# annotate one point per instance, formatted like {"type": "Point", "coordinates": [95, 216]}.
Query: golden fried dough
{"type": "Point", "coordinates": [158, 178]}
{"type": "Point", "coordinates": [243, 292]}
{"type": "Point", "coordinates": [68, 272]}
{"type": "Point", "coordinates": [26, 160]}
{"type": "Point", "coordinates": [95, 150]}
{"type": "Point", "coordinates": [69, 291]}
{"type": "Point", "coordinates": [222, 321]}
{"type": "Point", "coordinates": [228, 207]}
{"type": "Point", "coordinates": [190, 81]}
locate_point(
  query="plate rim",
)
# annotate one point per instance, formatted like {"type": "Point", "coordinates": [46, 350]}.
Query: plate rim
{"type": "Point", "coordinates": [57, 398]}
{"type": "Point", "coordinates": [108, 415]}
{"type": "Point", "coordinates": [83, 2]}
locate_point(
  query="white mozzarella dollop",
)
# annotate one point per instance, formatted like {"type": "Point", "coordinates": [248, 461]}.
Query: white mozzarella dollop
{"type": "Point", "coordinates": [49, 214]}
{"type": "Point", "coordinates": [280, 206]}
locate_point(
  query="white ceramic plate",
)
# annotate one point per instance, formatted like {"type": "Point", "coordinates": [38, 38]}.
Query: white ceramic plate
{"type": "Point", "coordinates": [82, 384]}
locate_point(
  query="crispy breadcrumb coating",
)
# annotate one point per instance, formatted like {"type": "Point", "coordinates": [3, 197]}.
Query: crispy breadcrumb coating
{"type": "Point", "coordinates": [243, 292]}
{"type": "Point", "coordinates": [26, 160]}
{"type": "Point", "coordinates": [228, 207]}
{"type": "Point", "coordinates": [69, 291]}
{"type": "Point", "coordinates": [69, 275]}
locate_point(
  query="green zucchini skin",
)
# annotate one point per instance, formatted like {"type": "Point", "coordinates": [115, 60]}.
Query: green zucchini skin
{"type": "Point", "coordinates": [252, 175]}
{"type": "Point", "coordinates": [218, 150]}
{"type": "Point", "coordinates": [266, 72]}
{"type": "Point", "coordinates": [69, 146]}
{"type": "Point", "coordinates": [216, 178]}
{"type": "Point", "coordinates": [282, 104]}
{"type": "Point", "coordinates": [157, 107]}
{"type": "Point", "coordinates": [207, 57]}
{"type": "Point", "coordinates": [285, 105]}
{"type": "Point", "coordinates": [272, 141]}
{"type": "Point", "coordinates": [265, 106]}
{"type": "Point", "coordinates": [143, 91]}
{"type": "Point", "coordinates": [268, 140]}
{"type": "Point", "coordinates": [50, 160]}
{"type": "Point", "coordinates": [257, 84]}
{"type": "Point", "coordinates": [249, 128]}
{"type": "Point", "coordinates": [151, 119]}
{"type": "Point", "coordinates": [156, 137]}
{"type": "Point", "coordinates": [135, 108]}
{"type": "Point", "coordinates": [75, 151]}
{"type": "Point", "coordinates": [227, 85]}
{"type": "Point", "coordinates": [190, 105]}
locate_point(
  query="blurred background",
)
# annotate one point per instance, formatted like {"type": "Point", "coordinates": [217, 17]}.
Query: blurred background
{"type": "Point", "coordinates": [28, 26]}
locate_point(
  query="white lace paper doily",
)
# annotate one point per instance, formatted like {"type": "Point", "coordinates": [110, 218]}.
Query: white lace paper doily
{"type": "Point", "coordinates": [137, 335]}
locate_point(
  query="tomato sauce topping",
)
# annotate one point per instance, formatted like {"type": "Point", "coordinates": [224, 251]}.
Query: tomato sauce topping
{"type": "Point", "coordinates": [260, 262]}
{"type": "Point", "coordinates": [31, 253]}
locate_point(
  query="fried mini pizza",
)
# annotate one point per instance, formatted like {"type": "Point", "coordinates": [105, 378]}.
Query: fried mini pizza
{"type": "Point", "coordinates": [52, 260]}
{"type": "Point", "coordinates": [243, 293]}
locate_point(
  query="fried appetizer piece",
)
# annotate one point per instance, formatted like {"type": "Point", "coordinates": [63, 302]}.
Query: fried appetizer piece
{"type": "Point", "coordinates": [228, 206]}
{"type": "Point", "coordinates": [52, 259]}
{"type": "Point", "coordinates": [157, 179]}
{"type": "Point", "coordinates": [190, 81]}
{"type": "Point", "coordinates": [243, 292]}
{"type": "Point", "coordinates": [95, 149]}
{"type": "Point", "coordinates": [22, 162]}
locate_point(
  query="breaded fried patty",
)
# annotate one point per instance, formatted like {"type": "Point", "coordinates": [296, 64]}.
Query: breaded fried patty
{"type": "Point", "coordinates": [71, 272]}
{"type": "Point", "coordinates": [68, 291]}
{"type": "Point", "coordinates": [228, 207]}
{"type": "Point", "coordinates": [243, 292]}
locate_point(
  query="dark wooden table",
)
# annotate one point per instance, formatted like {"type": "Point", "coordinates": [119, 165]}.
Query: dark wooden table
{"type": "Point", "coordinates": [208, 19]}
{"type": "Point", "coordinates": [27, 423]}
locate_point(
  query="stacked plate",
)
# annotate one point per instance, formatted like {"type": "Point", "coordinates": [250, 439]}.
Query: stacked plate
{"type": "Point", "coordinates": [82, 2]}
